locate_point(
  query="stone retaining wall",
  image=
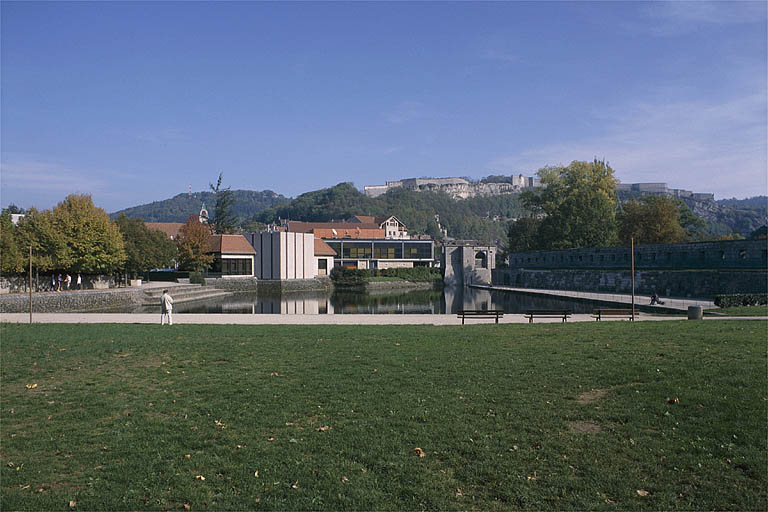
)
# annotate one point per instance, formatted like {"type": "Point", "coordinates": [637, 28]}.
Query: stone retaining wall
{"type": "Point", "coordinates": [697, 284]}
{"type": "Point", "coordinates": [71, 302]}
{"type": "Point", "coordinates": [42, 283]}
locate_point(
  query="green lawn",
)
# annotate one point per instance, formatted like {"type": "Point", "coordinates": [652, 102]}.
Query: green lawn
{"type": "Point", "coordinates": [741, 311]}
{"type": "Point", "coordinates": [655, 415]}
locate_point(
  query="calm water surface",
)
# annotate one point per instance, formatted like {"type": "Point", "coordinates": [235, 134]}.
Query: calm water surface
{"type": "Point", "coordinates": [448, 300]}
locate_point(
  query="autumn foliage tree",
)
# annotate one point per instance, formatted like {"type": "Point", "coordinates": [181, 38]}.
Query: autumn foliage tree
{"type": "Point", "coordinates": [651, 220]}
{"type": "Point", "coordinates": [577, 206]}
{"type": "Point", "coordinates": [92, 243]}
{"type": "Point", "coordinates": [12, 259]}
{"type": "Point", "coordinates": [49, 250]}
{"type": "Point", "coordinates": [193, 244]}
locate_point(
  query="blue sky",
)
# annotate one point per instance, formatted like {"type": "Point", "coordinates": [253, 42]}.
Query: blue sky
{"type": "Point", "coordinates": [135, 102]}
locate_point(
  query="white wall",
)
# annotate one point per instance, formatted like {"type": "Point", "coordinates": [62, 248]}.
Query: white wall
{"type": "Point", "coordinates": [284, 255]}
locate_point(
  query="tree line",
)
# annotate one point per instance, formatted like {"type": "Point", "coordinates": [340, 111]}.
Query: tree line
{"type": "Point", "coordinates": [76, 236]}
{"type": "Point", "coordinates": [578, 207]}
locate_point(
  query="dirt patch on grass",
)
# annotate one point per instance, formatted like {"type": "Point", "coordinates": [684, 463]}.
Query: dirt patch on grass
{"type": "Point", "coordinates": [591, 396]}
{"type": "Point", "coordinates": [583, 427]}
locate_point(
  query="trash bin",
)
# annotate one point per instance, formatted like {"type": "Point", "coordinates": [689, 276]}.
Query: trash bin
{"type": "Point", "coordinates": [695, 312]}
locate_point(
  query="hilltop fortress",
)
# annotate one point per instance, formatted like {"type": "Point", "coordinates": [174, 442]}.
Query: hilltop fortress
{"type": "Point", "coordinates": [456, 187]}
{"type": "Point", "coordinates": [461, 188]}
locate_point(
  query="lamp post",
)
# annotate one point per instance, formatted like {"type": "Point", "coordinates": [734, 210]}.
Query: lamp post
{"type": "Point", "coordinates": [632, 248]}
{"type": "Point", "coordinates": [30, 284]}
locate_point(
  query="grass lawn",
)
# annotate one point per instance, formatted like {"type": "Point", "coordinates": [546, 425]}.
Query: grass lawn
{"type": "Point", "coordinates": [741, 311]}
{"type": "Point", "coordinates": [607, 416]}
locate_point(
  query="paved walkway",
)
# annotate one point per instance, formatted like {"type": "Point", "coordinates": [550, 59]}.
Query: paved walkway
{"type": "Point", "coordinates": [245, 319]}
{"type": "Point", "coordinates": [670, 303]}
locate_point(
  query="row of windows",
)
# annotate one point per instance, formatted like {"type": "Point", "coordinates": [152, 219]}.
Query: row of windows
{"type": "Point", "coordinates": [233, 267]}
{"type": "Point", "coordinates": [382, 250]}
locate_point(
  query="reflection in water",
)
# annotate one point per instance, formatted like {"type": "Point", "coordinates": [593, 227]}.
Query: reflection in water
{"type": "Point", "coordinates": [449, 300]}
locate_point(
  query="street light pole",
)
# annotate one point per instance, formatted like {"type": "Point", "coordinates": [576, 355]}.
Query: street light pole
{"type": "Point", "coordinates": [633, 276]}
{"type": "Point", "coordinates": [30, 284]}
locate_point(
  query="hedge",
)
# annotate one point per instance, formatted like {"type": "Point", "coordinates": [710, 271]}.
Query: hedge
{"type": "Point", "coordinates": [741, 299]}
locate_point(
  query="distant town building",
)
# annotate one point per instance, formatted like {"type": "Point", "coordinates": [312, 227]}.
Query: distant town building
{"type": "Point", "coordinates": [233, 256]}
{"type": "Point", "coordinates": [456, 187]}
{"type": "Point", "coordinates": [368, 242]}
{"type": "Point", "coordinates": [662, 189]}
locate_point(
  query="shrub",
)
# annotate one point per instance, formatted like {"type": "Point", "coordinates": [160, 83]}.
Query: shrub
{"type": "Point", "coordinates": [413, 274]}
{"type": "Point", "coordinates": [741, 299]}
{"type": "Point", "coordinates": [349, 276]}
{"type": "Point", "coordinates": [196, 278]}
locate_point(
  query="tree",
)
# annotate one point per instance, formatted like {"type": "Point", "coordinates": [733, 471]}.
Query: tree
{"type": "Point", "coordinates": [522, 235]}
{"type": "Point", "coordinates": [12, 260]}
{"type": "Point", "coordinates": [577, 206]}
{"type": "Point", "coordinates": [224, 221]}
{"type": "Point", "coordinates": [193, 244]}
{"type": "Point", "coordinates": [694, 227]}
{"type": "Point", "coordinates": [651, 220]}
{"type": "Point", "coordinates": [49, 248]}
{"type": "Point", "coordinates": [145, 249]}
{"type": "Point", "coordinates": [94, 244]}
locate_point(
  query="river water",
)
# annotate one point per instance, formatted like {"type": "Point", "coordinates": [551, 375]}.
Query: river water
{"type": "Point", "coordinates": [448, 300]}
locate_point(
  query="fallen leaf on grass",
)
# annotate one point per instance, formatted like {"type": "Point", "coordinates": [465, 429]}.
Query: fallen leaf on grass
{"type": "Point", "coordinates": [270, 439]}
{"type": "Point", "coordinates": [608, 501]}
{"type": "Point", "coordinates": [419, 452]}
{"type": "Point", "coordinates": [397, 344]}
{"type": "Point", "coordinates": [459, 493]}
{"type": "Point", "coordinates": [187, 456]}
{"type": "Point", "coordinates": [673, 400]}
{"type": "Point", "coordinates": [187, 506]}
{"type": "Point", "coordinates": [274, 374]}
{"type": "Point", "coordinates": [199, 477]}
{"type": "Point", "coordinates": [256, 474]}
{"type": "Point", "coordinates": [220, 424]}
{"type": "Point", "coordinates": [324, 428]}
{"type": "Point", "coordinates": [72, 503]}
{"type": "Point", "coordinates": [25, 487]}
{"type": "Point", "coordinates": [295, 485]}
{"type": "Point", "coordinates": [344, 479]}
{"type": "Point", "coordinates": [534, 477]}
{"type": "Point", "coordinates": [641, 492]}
{"type": "Point", "coordinates": [31, 386]}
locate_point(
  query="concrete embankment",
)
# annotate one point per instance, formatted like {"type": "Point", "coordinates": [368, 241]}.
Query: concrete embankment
{"type": "Point", "coordinates": [115, 299]}
{"type": "Point", "coordinates": [672, 305]}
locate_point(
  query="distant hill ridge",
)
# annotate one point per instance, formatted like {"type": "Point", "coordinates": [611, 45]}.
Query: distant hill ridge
{"type": "Point", "coordinates": [247, 204]}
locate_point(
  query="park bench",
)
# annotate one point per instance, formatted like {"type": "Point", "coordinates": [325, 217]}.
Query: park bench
{"type": "Point", "coordinates": [600, 313]}
{"type": "Point", "coordinates": [480, 313]}
{"type": "Point", "coordinates": [547, 313]}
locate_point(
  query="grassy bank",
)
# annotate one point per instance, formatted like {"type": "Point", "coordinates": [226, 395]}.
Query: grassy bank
{"type": "Point", "coordinates": [606, 416]}
{"type": "Point", "coordinates": [741, 311]}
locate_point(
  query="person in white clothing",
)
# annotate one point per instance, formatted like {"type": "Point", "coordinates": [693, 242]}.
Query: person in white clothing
{"type": "Point", "coordinates": [166, 305]}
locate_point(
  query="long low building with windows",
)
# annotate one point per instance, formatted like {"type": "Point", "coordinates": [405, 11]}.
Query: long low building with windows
{"type": "Point", "coordinates": [377, 253]}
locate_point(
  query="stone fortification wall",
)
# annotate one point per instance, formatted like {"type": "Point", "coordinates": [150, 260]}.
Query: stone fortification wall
{"type": "Point", "coordinates": [720, 255]}
{"type": "Point", "coordinates": [71, 302]}
{"type": "Point", "coordinates": [694, 284]}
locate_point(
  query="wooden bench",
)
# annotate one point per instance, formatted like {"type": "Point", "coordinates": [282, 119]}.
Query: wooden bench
{"type": "Point", "coordinates": [480, 313]}
{"type": "Point", "coordinates": [548, 313]}
{"type": "Point", "coordinates": [598, 314]}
